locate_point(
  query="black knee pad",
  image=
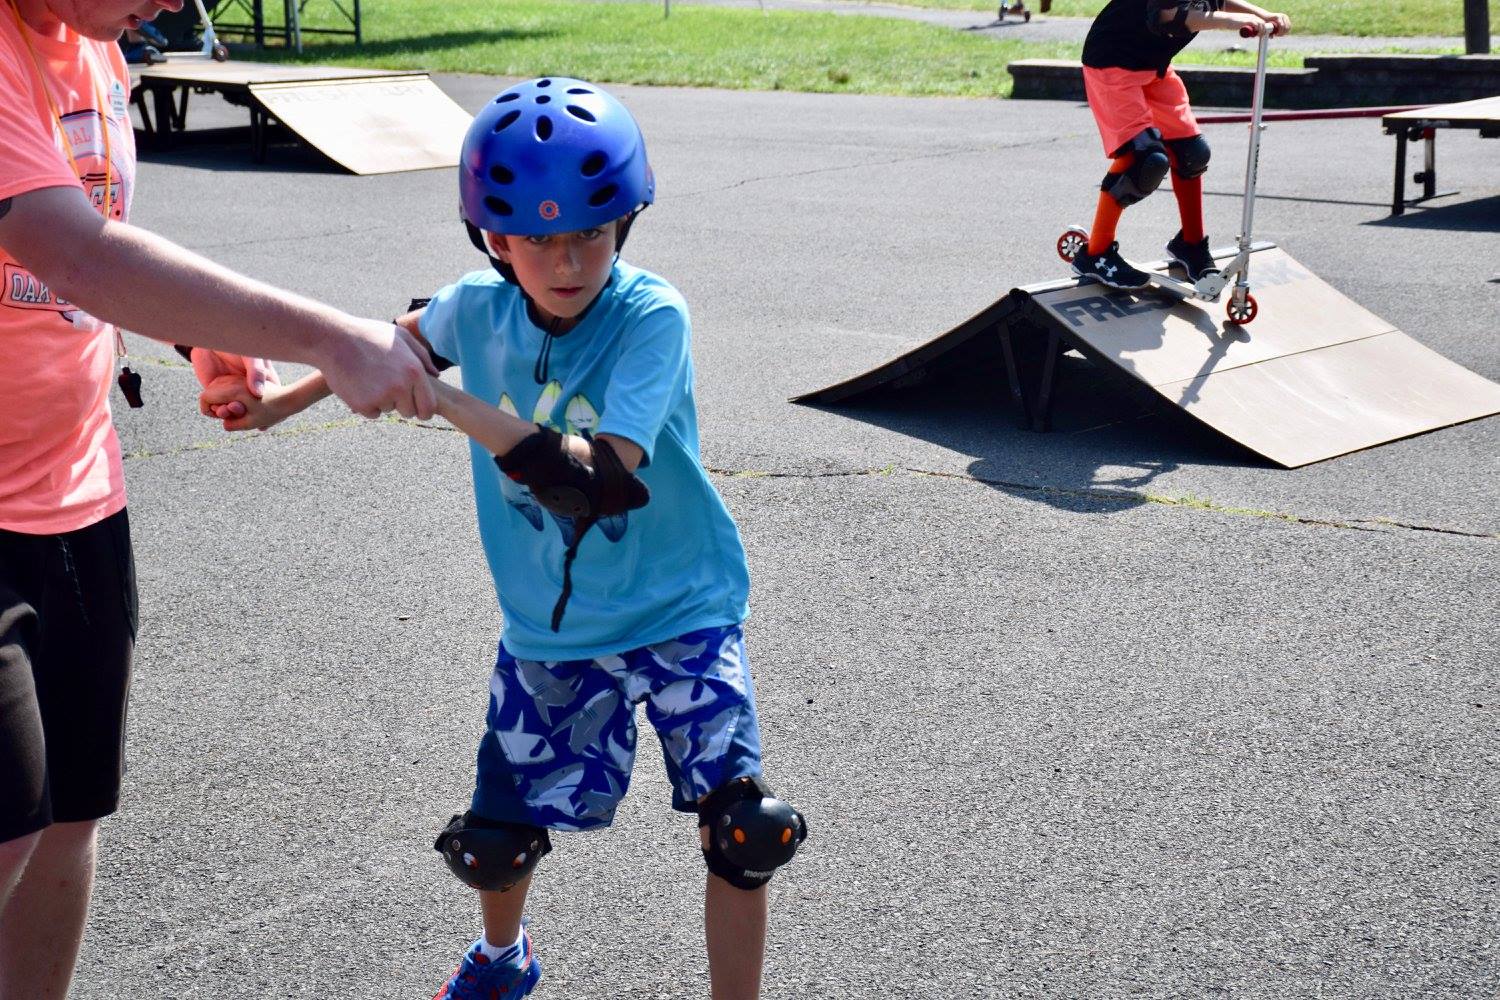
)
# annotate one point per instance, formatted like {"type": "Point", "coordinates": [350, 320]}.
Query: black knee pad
{"type": "Point", "coordinates": [1192, 155]}
{"type": "Point", "coordinates": [751, 833]}
{"type": "Point", "coordinates": [1148, 167]}
{"type": "Point", "coordinates": [491, 854]}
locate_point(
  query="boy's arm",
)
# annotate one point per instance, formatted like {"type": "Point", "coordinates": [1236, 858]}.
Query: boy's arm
{"type": "Point", "coordinates": [566, 474]}
{"type": "Point", "coordinates": [1235, 15]}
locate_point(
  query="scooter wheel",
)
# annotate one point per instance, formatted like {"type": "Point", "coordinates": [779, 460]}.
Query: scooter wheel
{"type": "Point", "coordinates": [1241, 313]}
{"type": "Point", "coordinates": [1026, 16]}
{"type": "Point", "coordinates": [1072, 242]}
{"type": "Point", "coordinates": [221, 54]}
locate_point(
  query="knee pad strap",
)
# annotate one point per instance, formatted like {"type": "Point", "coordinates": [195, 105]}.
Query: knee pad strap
{"type": "Point", "coordinates": [751, 833]}
{"type": "Point", "coordinates": [488, 854]}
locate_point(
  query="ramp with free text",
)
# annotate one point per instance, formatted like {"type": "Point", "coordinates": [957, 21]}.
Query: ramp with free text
{"type": "Point", "coordinates": [1315, 376]}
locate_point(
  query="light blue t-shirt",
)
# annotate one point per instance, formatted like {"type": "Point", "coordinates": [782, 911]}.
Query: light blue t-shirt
{"type": "Point", "coordinates": [639, 578]}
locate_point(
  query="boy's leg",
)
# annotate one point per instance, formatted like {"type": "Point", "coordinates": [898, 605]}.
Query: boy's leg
{"type": "Point", "coordinates": [1107, 214]}
{"type": "Point", "coordinates": [502, 913]}
{"type": "Point", "coordinates": [702, 704]}
{"type": "Point", "coordinates": [41, 928]}
{"type": "Point", "coordinates": [734, 924]}
{"type": "Point", "coordinates": [1189, 155]}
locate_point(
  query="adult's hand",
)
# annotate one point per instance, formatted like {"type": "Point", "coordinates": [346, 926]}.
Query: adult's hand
{"type": "Point", "coordinates": [379, 367]}
{"type": "Point", "coordinates": [209, 366]}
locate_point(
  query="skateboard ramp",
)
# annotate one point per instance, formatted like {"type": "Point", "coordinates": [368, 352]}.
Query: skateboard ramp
{"type": "Point", "coordinates": [1315, 376]}
{"type": "Point", "coordinates": [367, 121]}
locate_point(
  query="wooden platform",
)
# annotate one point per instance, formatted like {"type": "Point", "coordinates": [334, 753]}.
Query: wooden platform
{"type": "Point", "coordinates": [1482, 116]}
{"type": "Point", "coordinates": [369, 121]}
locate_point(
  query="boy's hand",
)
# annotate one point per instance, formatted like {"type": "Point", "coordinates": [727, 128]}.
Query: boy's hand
{"type": "Point", "coordinates": [254, 372]}
{"type": "Point", "coordinates": [1280, 24]}
{"type": "Point", "coordinates": [228, 394]}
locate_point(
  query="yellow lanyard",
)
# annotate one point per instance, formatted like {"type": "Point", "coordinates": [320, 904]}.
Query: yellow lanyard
{"type": "Point", "coordinates": [109, 189]}
{"type": "Point", "coordinates": [41, 77]}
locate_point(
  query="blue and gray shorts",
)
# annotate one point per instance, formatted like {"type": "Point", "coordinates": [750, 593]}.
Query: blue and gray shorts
{"type": "Point", "coordinates": [561, 737]}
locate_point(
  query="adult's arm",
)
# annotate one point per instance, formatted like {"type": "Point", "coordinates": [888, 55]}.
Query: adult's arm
{"type": "Point", "coordinates": [135, 279]}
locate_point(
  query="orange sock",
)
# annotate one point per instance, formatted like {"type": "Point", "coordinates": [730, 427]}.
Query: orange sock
{"type": "Point", "coordinates": [1189, 192]}
{"type": "Point", "coordinates": [1107, 215]}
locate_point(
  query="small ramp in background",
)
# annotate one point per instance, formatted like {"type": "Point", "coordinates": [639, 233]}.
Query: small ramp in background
{"type": "Point", "coordinates": [367, 121]}
{"type": "Point", "coordinates": [1315, 376]}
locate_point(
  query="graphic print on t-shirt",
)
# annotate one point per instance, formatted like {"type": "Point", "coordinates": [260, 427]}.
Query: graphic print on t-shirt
{"type": "Point", "coordinates": [82, 133]}
{"type": "Point", "coordinates": [580, 418]}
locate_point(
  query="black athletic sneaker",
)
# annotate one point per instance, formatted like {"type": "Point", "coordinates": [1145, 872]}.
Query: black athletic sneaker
{"type": "Point", "coordinates": [1195, 258]}
{"type": "Point", "coordinates": [1109, 268]}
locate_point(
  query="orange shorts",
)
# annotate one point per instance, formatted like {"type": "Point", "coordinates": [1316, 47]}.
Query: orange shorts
{"type": "Point", "coordinates": [1126, 102]}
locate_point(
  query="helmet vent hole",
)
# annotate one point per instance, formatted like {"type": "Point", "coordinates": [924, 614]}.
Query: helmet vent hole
{"type": "Point", "coordinates": [506, 120]}
{"type": "Point", "coordinates": [544, 83]}
{"type": "Point", "coordinates": [579, 90]}
{"type": "Point", "coordinates": [602, 196]}
{"type": "Point", "coordinates": [507, 98]}
{"type": "Point", "coordinates": [497, 205]}
{"type": "Point", "coordinates": [544, 128]}
{"type": "Point", "coordinates": [582, 114]}
{"type": "Point", "coordinates": [594, 163]}
{"type": "Point", "coordinates": [542, 99]}
{"type": "Point", "coordinates": [501, 174]}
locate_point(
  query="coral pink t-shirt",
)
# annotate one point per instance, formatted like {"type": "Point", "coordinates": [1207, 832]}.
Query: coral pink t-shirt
{"type": "Point", "coordinates": [60, 464]}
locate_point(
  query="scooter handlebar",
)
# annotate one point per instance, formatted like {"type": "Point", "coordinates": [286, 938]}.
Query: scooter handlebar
{"type": "Point", "coordinates": [1249, 31]}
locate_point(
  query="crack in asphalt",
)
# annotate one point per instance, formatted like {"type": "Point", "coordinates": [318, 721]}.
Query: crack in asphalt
{"type": "Point", "coordinates": [1381, 525]}
{"type": "Point", "coordinates": [1125, 498]}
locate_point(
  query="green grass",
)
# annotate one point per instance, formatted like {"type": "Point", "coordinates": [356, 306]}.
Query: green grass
{"type": "Point", "coordinates": [697, 46]}
{"type": "Point", "coordinates": [1366, 18]}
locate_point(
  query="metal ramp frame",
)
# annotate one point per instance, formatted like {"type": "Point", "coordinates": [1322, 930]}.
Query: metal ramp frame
{"type": "Point", "coordinates": [1316, 376]}
{"type": "Point", "coordinates": [289, 32]}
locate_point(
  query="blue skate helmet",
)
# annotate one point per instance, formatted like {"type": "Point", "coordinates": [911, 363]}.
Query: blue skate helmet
{"type": "Point", "coordinates": [552, 155]}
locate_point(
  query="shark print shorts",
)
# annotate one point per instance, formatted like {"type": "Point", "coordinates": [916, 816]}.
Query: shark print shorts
{"type": "Point", "coordinates": [561, 734]}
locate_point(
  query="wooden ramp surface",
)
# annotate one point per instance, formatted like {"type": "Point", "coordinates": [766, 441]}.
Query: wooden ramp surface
{"type": "Point", "coordinates": [1315, 376]}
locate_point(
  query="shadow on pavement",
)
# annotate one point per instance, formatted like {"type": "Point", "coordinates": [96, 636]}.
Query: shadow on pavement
{"type": "Point", "coordinates": [1481, 216]}
{"type": "Point", "coordinates": [1110, 439]}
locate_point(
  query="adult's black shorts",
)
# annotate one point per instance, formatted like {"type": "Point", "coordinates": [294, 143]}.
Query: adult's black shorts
{"type": "Point", "coordinates": [68, 618]}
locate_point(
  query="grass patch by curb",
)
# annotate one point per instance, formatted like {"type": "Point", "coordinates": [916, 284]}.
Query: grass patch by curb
{"type": "Point", "coordinates": [697, 46]}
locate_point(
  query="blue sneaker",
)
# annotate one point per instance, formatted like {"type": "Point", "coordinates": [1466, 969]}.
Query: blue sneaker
{"type": "Point", "coordinates": [477, 978]}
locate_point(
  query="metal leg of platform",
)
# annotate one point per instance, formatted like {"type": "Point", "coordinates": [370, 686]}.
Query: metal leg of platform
{"type": "Point", "coordinates": [1042, 418]}
{"type": "Point", "coordinates": [1013, 374]}
{"type": "Point", "coordinates": [259, 127]}
{"type": "Point", "coordinates": [1398, 196]}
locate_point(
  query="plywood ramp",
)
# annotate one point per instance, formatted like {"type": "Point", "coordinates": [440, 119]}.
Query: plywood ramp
{"type": "Point", "coordinates": [1315, 376]}
{"type": "Point", "coordinates": [368, 121]}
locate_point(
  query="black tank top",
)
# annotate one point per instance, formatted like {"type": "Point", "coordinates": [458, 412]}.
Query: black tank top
{"type": "Point", "coordinates": [1128, 34]}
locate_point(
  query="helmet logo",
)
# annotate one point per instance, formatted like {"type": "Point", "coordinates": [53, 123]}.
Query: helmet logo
{"type": "Point", "coordinates": [548, 210]}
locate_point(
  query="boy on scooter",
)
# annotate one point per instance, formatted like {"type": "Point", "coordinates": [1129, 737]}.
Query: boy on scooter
{"type": "Point", "coordinates": [1147, 124]}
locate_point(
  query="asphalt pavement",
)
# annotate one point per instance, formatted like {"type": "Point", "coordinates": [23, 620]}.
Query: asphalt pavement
{"type": "Point", "coordinates": [1114, 711]}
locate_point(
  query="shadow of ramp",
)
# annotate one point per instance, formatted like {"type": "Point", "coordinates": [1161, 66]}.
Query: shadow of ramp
{"type": "Point", "coordinates": [1317, 376]}
{"type": "Point", "coordinates": [1111, 438]}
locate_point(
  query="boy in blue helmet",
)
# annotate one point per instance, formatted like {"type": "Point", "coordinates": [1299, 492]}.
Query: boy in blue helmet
{"type": "Point", "coordinates": [619, 571]}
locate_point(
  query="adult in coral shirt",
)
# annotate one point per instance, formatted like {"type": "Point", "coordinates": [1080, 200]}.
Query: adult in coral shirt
{"type": "Point", "coordinates": [72, 266]}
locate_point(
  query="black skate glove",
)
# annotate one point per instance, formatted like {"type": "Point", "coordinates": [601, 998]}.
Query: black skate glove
{"type": "Point", "coordinates": [566, 486]}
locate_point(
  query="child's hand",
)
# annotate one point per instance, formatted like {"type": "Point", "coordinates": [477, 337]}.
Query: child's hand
{"type": "Point", "coordinates": [1280, 24]}
{"type": "Point", "coordinates": [259, 414]}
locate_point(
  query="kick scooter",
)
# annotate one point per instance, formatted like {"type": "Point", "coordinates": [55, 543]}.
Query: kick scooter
{"type": "Point", "coordinates": [212, 47]}
{"type": "Point", "coordinates": [1241, 308]}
